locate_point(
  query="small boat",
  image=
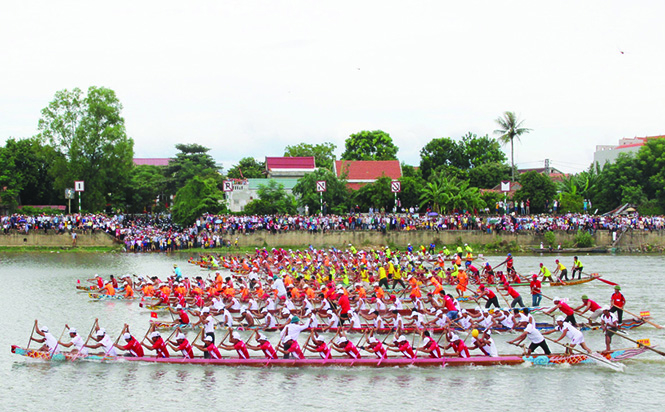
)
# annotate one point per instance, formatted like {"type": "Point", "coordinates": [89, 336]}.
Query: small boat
{"type": "Point", "coordinates": [554, 359]}
{"type": "Point", "coordinates": [599, 249]}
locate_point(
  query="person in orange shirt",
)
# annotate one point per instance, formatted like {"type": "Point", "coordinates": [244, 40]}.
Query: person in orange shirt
{"type": "Point", "coordinates": [378, 291]}
{"type": "Point", "coordinates": [129, 292]}
{"type": "Point", "coordinates": [462, 282]}
{"type": "Point", "coordinates": [244, 293]}
{"type": "Point", "coordinates": [109, 289]}
{"type": "Point", "coordinates": [415, 292]}
{"type": "Point", "coordinates": [360, 290]}
{"type": "Point", "coordinates": [295, 293]}
{"type": "Point", "coordinates": [148, 290]}
{"type": "Point", "coordinates": [310, 293]}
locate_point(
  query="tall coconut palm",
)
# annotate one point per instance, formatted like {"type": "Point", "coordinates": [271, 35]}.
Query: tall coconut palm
{"type": "Point", "coordinates": [510, 127]}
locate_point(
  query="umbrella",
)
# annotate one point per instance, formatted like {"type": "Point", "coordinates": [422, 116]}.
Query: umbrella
{"type": "Point", "coordinates": [218, 221]}
{"type": "Point", "coordinates": [432, 214]}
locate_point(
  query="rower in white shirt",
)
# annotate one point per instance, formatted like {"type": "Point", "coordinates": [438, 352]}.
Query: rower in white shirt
{"type": "Point", "coordinates": [76, 341]}
{"type": "Point", "coordinates": [49, 341]}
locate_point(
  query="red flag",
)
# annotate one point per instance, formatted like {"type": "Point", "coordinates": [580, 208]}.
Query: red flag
{"type": "Point", "coordinates": [153, 315]}
{"type": "Point", "coordinates": [78, 281]}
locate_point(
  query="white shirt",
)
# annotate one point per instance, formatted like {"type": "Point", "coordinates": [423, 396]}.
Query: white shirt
{"type": "Point", "coordinates": [572, 333]}
{"type": "Point", "coordinates": [279, 285]}
{"type": "Point", "coordinates": [109, 349]}
{"type": "Point", "coordinates": [209, 325]}
{"type": "Point", "coordinates": [355, 320]}
{"type": "Point", "coordinates": [610, 320]}
{"type": "Point", "coordinates": [78, 344]}
{"type": "Point", "coordinates": [292, 331]}
{"type": "Point", "coordinates": [51, 342]}
{"type": "Point", "coordinates": [533, 334]}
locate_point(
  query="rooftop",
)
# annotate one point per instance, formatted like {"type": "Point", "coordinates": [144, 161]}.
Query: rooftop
{"type": "Point", "coordinates": [290, 163]}
{"type": "Point", "coordinates": [151, 161]}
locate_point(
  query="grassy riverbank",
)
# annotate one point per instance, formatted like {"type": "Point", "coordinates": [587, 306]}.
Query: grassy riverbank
{"type": "Point", "coordinates": [61, 249]}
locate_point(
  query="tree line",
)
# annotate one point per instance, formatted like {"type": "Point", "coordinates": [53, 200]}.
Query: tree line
{"type": "Point", "coordinates": [82, 136]}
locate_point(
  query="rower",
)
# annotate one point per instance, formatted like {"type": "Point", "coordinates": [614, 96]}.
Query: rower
{"type": "Point", "coordinates": [132, 345]}
{"type": "Point", "coordinates": [182, 345]}
{"type": "Point", "coordinates": [263, 345]}
{"type": "Point", "coordinates": [289, 337]}
{"type": "Point", "coordinates": [610, 325]}
{"type": "Point", "coordinates": [375, 346]}
{"type": "Point", "coordinates": [576, 337]}
{"type": "Point", "coordinates": [488, 295]}
{"type": "Point", "coordinates": [560, 269]}
{"type": "Point", "coordinates": [536, 288]}
{"type": "Point", "coordinates": [565, 308]}
{"type": "Point", "coordinates": [103, 340]}
{"type": "Point", "coordinates": [344, 345]}
{"type": "Point", "coordinates": [517, 298]}
{"type": "Point", "coordinates": [75, 340]}
{"type": "Point", "coordinates": [208, 348]}
{"type": "Point", "coordinates": [536, 338]}
{"type": "Point", "coordinates": [208, 323]}
{"type": "Point", "coordinates": [430, 346]}
{"type": "Point", "coordinates": [237, 344]}
{"type": "Point", "coordinates": [618, 301]}
{"type": "Point", "coordinates": [401, 344]}
{"type": "Point", "coordinates": [591, 306]}
{"type": "Point", "coordinates": [49, 341]}
{"type": "Point", "coordinates": [158, 345]}
{"type": "Point", "coordinates": [318, 345]}
{"type": "Point", "coordinates": [577, 267]}
{"type": "Point", "coordinates": [457, 345]}
{"type": "Point", "coordinates": [183, 317]}
{"type": "Point", "coordinates": [483, 342]}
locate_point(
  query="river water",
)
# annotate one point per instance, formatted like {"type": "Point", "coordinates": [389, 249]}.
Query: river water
{"type": "Point", "coordinates": [41, 286]}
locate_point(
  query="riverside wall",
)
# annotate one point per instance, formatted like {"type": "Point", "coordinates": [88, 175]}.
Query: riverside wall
{"type": "Point", "coordinates": [630, 239]}
{"type": "Point", "coordinates": [41, 239]}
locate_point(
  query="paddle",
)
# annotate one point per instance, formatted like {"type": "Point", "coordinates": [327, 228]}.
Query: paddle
{"type": "Point", "coordinates": [51, 353]}
{"type": "Point", "coordinates": [599, 358]}
{"type": "Point", "coordinates": [113, 346]}
{"type": "Point", "coordinates": [661, 353]}
{"type": "Point", "coordinates": [657, 326]}
{"type": "Point", "coordinates": [34, 325]}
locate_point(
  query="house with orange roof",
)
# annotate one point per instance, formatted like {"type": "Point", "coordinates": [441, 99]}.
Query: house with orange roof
{"type": "Point", "coordinates": [358, 173]}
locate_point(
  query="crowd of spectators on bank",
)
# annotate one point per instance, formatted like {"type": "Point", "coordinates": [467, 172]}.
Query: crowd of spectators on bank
{"type": "Point", "coordinates": [146, 232]}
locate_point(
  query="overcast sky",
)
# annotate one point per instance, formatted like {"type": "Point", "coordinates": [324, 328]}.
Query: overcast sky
{"type": "Point", "coordinates": [247, 78]}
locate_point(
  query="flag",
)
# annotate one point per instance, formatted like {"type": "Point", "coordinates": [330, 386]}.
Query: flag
{"type": "Point", "coordinates": [78, 281]}
{"type": "Point", "coordinates": [153, 315]}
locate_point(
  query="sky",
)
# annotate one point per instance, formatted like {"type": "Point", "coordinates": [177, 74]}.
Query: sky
{"type": "Point", "coordinates": [248, 78]}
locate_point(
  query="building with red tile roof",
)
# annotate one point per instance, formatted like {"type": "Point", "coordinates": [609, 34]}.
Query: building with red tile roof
{"type": "Point", "coordinates": [289, 167]}
{"type": "Point", "coordinates": [358, 173]}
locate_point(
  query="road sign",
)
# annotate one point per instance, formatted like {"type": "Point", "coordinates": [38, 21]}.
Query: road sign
{"type": "Point", "coordinates": [79, 186]}
{"type": "Point", "coordinates": [227, 186]}
{"type": "Point", "coordinates": [69, 193]}
{"type": "Point", "coordinates": [395, 186]}
{"type": "Point", "coordinates": [505, 186]}
{"type": "Point", "coordinates": [320, 185]}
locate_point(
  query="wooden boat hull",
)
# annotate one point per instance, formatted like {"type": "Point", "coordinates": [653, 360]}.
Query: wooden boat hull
{"type": "Point", "coordinates": [555, 359]}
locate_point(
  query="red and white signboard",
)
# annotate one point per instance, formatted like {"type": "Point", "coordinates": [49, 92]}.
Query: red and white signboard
{"type": "Point", "coordinates": [79, 186]}
{"type": "Point", "coordinates": [395, 186]}
{"type": "Point", "coordinates": [320, 185]}
{"type": "Point", "coordinates": [505, 186]}
{"type": "Point", "coordinates": [227, 186]}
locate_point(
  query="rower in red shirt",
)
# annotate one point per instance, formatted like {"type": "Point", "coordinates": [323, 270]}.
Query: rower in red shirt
{"type": "Point", "coordinates": [209, 347]}
{"type": "Point", "coordinates": [590, 306]}
{"type": "Point", "coordinates": [133, 347]}
{"type": "Point", "coordinates": [344, 345]}
{"type": "Point", "coordinates": [401, 344]}
{"type": "Point", "coordinates": [566, 309]}
{"type": "Point", "coordinates": [618, 301]}
{"type": "Point", "coordinates": [517, 298]}
{"type": "Point", "coordinates": [430, 346]}
{"type": "Point", "coordinates": [344, 306]}
{"type": "Point", "coordinates": [182, 345]}
{"type": "Point", "coordinates": [536, 291]}
{"type": "Point", "coordinates": [158, 345]}
{"type": "Point", "coordinates": [237, 344]}
{"type": "Point", "coordinates": [457, 345]}
{"type": "Point", "coordinates": [376, 347]}
{"type": "Point", "coordinates": [318, 345]}
{"type": "Point", "coordinates": [263, 345]}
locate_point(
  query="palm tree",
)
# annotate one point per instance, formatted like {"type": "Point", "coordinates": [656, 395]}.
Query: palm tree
{"type": "Point", "coordinates": [510, 128]}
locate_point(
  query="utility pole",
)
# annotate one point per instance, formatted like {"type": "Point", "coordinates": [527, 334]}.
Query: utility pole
{"type": "Point", "coordinates": [547, 167]}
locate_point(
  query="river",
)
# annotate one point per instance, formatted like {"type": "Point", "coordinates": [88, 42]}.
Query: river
{"type": "Point", "coordinates": [41, 286]}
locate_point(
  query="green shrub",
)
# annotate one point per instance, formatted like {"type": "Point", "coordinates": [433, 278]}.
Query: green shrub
{"type": "Point", "coordinates": [583, 239]}
{"type": "Point", "coordinates": [550, 239]}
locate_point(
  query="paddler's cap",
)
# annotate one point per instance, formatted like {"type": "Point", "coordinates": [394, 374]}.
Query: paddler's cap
{"type": "Point", "coordinates": [556, 261]}
{"type": "Point", "coordinates": [606, 308]}
{"type": "Point", "coordinates": [205, 310]}
{"type": "Point", "coordinates": [44, 329]}
{"type": "Point", "coordinates": [375, 284]}
{"type": "Point", "coordinates": [235, 335]}
{"type": "Point", "coordinates": [508, 254]}
{"type": "Point", "coordinates": [617, 287]}
{"type": "Point", "coordinates": [208, 338]}
{"type": "Point", "coordinates": [175, 265]}
{"type": "Point", "coordinates": [541, 265]}
{"type": "Point", "coordinates": [274, 277]}
{"type": "Point", "coordinates": [401, 338]}
{"type": "Point", "coordinates": [181, 336]}
{"type": "Point", "coordinates": [101, 333]}
{"type": "Point", "coordinates": [393, 297]}
{"type": "Point", "coordinates": [285, 311]}
{"type": "Point", "coordinates": [295, 319]}
{"type": "Point", "coordinates": [585, 297]}
{"type": "Point", "coordinates": [560, 318]}
{"type": "Point", "coordinates": [126, 336]}
{"type": "Point", "coordinates": [534, 276]}
{"type": "Point", "coordinates": [372, 339]}
{"type": "Point", "coordinates": [155, 335]}
{"type": "Point", "coordinates": [555, 300]}
{"type": "Point", "coordinates": [72, 330]}
{"type": "Point", "coordinates": [178, 307]}
{"type": "Point", "coordinates": [261, 337]}
{"type": "Point", "coordinates": [341, 339]}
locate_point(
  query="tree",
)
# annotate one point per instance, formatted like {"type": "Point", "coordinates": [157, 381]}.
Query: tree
{"type": "Point", "coordinates": [509, 129]}
{"type": "Point", "coordinates": [273, 199]}
{"type": "Point", "coordinates": [375, 145]}
{"type": "Point", "coordinates": [478, 151]}
{"type": "Point", "coordinates": [651, 161]}
{"type": "Point", "coordinates": [410, 194]}
{"type": "Point", "coordinates": [147, 183]}
{"type": "Point", "coordinates": [89, 132]}
{"type": "Point", "coordinates": [336, 196]}
{"type": "Point", "coordinates": [376, 195]}
{"type": "Point", "coordinates": [324, 153]}
{"type": "Point", "coordinates": [536, 187]}
{"type": "Point", "coordinates": [488, 175]}
{"type": "Point", "coordinates": [28, 162]}
{"type": "Point", "coordinates": [198, 196]}
{"type": "Point", "coordinates": [615, 182]}
{"type": "Point", "coordinates": [440, 152]}
{"type": "Point", "coordinates": [247, 168]}
{"type": "Point", "coordinates": [193, 160]}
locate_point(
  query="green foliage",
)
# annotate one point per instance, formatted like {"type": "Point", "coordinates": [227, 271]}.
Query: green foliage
{"type": "Point", "coordinates": [376, 195]}
{"type": "Point", "coordinates": [478, 151]}
{"type": "Point", "coordinates": [192, 160]}
{"type": "Point", "coordinates": [439, 152]}
{"type": "Point", "coordinates": [550, 239]}
{"type": "Point", "coordinates": [366, 145]}
{"type": "Point", "coordinates": [324, 153]}
{"type": "Point", "coordinates": [650, 208]}
{"type": "Point", "coordinates": [615, 181]}
{"type": "Point", "coordinates": [583, 239]}
{"type": "Point", "coordinates": [447, 194]}
{"type": "Point", "coordinates": [410, 194]}
{"type": "Point", "coordinates": [197, 197]}
{"type": "Point", "coordinates": [536, 187]}
{"type": "Point", "coordinates": [488, 175]}
{"type": "Point", "coordinates": [510, 128]}
{"type": "Point", "coordinates": [651, 161]}
{"type": "Point", "coordinates": [570, 203]}
{"type": "Point", "coordinates": [490, 199]}
{"type": "Point", "coordinates": [35, 211]}
{"type": "Point", "coordinates": [89, 133]}
{"type": "Point", "coordinates": [146, 184]}
{"type": "Point", "coordinates": [273, 199]}
{"type": "Point", "coordinates": [410, 171]}
{"type": "Point", "coordinates": [248, 168]}
{"type": "Point", "coordinates": [336, 196]}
